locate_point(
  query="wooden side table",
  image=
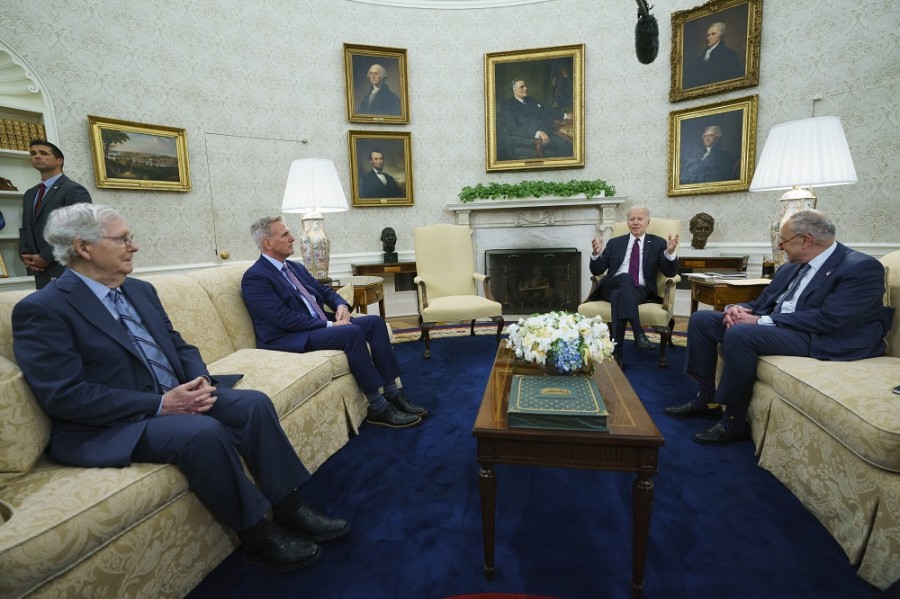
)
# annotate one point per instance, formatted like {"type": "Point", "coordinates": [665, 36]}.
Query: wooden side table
{"type": "Point", "coordinates": [366, 290]}
{"type": "Point", "coordinates": [719, 294]}
{"type": "Point", "coordinates": [377, 268]}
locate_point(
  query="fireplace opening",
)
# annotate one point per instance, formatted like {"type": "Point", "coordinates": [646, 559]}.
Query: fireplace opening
{"type": "Point", "coordinates": [535, 280]}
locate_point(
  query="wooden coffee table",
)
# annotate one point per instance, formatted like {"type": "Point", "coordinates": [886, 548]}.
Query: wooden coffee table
{"type": "Point", "coordinates": [631, 445]}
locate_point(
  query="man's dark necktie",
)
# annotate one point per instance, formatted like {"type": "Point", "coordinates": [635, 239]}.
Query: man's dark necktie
{"type": "Point", "coordinates": [153, 356]}
{"type": "Point", "coordinates": [792, 288]}
{"type": "Point", "coordinates": [304, 292]}
{"type": "Point", "coordinates": [634, 264]}
{"type": "Point", "coordinates": [39, 199]}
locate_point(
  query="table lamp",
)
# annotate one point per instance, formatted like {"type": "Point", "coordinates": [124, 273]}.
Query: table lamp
{"type": "Point", "coordinates": [798, 156]}
{"type": "Point", "coordinates": [312, 189]}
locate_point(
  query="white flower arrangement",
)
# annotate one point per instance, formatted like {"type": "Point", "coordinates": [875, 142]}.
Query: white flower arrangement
{"type": "Point", "coordinates": [561, 341]}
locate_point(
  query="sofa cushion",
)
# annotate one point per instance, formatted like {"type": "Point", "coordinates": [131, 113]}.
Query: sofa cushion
{"type": "Point", "coordinates": [59, 516]}
{"type": "Point", "coordinates": [852, 401]}
{"type": "Point", "coordinates": [24, 427]}
{"type": "Point", "coordinates": [8, 300]}
{"type": "Point", "coordinates": [193, 314]}
{"type": "Point", "coordinates": [288, 378]}
{"type": "Point", "coordinates": [223, 286]}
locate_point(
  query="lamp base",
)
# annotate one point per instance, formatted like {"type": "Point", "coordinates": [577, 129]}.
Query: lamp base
{"type": "Point", "coordinates": [792, 201]}
{"type": "Point", "coordinates": [315, 248]}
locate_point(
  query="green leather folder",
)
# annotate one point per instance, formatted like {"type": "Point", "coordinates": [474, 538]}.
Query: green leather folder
{"type": "Point", "coordinates": [556, 402]}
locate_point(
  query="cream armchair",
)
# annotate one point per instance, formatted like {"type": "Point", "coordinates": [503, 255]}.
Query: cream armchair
{"type": "Point", "coordinates": [659, 317]}
{"type": "Point", "coordinates": [446, 281]}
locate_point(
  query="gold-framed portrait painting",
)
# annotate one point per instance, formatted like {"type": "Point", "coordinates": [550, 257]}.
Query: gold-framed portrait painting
{"type": "Point", "coordinates": [130, 155]}
{"type": "Point", "coordinates": [712, 148]}
{"type": "Point", "coordinates": [381, 168]}
{"type": "Point", "coordinates": [715, 48]}
{"type": "Point", "coordinates": [534, 109]}
{"type": "Point", "coordinates": [377, 90]}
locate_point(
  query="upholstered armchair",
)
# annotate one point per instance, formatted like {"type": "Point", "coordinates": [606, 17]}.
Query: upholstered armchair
{"type": "Point", "coordinates": [659, 317]}
{"type": "Point", "coordinates": [446, 281]}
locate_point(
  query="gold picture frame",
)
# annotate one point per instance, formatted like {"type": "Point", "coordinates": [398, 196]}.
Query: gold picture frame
{"type": "Point", "coordinates": [712, 148]}
{"type": "Point", "coordinates": [515, 136]}
{"type": "Point", "coordinates": [733, 61]}
{"type": "Point", "coordinates": [390, 105]}
{"type": "Point", "coordinates": [130, 155]}
{"type": "Point", "coordinates": [395, 185]}
{"type": "Point", "coordinates": [4, 274]}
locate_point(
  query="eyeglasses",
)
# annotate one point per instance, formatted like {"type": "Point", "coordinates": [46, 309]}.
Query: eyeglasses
{"type": "Point", "coordinates": [784, 241]}
{"type": "Point", "coordinates": [123, 239]}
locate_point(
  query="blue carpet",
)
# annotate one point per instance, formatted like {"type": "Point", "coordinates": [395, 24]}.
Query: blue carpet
{"type": "Point", "coordinates": [721, 526]}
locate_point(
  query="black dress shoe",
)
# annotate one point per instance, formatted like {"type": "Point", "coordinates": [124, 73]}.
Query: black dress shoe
{"type": "Point", "coordinates": [719, 435]}
{"type": "Point", "coordinates": [401, 403]}
{"type": "Point", "coordinates": [306, 523]}
{"type": "Point", "coordinates": [392, 417]}
{"type": "Point", "coordinates": [641, 342]}
{"type": "Point", "coordinates": [689, 411]}
{"type": "Point", "coordinates": [281, 551]}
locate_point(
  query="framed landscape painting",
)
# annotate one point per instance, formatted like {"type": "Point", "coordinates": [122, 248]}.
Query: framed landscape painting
{"type": "Point", "coordinates": [381, 168]}
{"type": "Point", "coordinates": [712, 148]}
{"type": "Point", "coordinates": [715, 48]}
{"type": "Point", "coordinates": [534, 109]}
{"type": "Point", "coordinates": [131, 155]}
{"type": "Point", "coordinates": [377, 90]}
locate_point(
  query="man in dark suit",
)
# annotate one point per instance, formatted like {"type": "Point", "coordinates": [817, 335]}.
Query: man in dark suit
{"type": "Point", "coordinates": [717, 63]}
{"type": "Point", "coordinates": [826, 303]}
{"type": "Point", "coordinates": [287, 305]}
{"type": "Point", "coordinates": [632, 262]}
{"type": "Point", "coordinates": [122, 386]}
{"type": "Point", "coordinates": [379, 99]}
{"type": "Point", "coordinates": [524, 118]}
{"type": "Point", "coordinates": [55, 190]}
{"type": "Point", "coordinates": [376, 183]}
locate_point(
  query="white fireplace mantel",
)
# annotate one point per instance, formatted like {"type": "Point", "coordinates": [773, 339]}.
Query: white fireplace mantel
{"type": "Point", "coordinates": [539, 212]}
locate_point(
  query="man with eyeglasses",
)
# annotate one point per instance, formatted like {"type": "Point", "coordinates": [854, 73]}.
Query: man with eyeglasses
{"type": "Point", "coordinates": [54, 190]}
{"type": "Point", "coordinates": [121, 385]}
{"type": "Point", "coordinates": [824, 303]}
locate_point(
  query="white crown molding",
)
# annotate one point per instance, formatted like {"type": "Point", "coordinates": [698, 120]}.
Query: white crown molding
{"type": "Point", "coordinates": [449, 4]}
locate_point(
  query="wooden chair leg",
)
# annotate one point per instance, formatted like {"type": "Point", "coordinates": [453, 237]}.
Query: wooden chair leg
{"type": "Point", "coordinates": [500, 322]}
{"type": "Point", "coordinates": [424, 327]}
{"type": "Point", "coordinates": [665, 338]}
{"type": "Point", "coordinates": [472, 325]}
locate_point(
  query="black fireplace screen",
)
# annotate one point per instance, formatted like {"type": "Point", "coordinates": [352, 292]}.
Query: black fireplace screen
{"type": "Point", "coordinates": [535, 280]}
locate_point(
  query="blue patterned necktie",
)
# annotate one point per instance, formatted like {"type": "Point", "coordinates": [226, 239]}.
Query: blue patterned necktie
{"type": "Point", "coordinates": [152, 354]}
{"type": "Point", "coordinates": [792, 288]}
{"type": "Point", "coordinates": [634, 264]}
{"type": "Point", "coordinates": [303, 291]}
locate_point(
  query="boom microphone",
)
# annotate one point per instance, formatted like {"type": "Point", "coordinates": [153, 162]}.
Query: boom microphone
{"type": "Point", "coordinates": [646, 34]}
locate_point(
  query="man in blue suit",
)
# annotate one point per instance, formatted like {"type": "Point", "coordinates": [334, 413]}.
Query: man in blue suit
{"type": "Point", "coordinates": [287, 305]}
{"type": "Point", "coordinates": [826, 303]}
{"type": "Point", "coordinates": [632, 262]}
{"type": "Point", "coordinates": [54, 190]}
{"type": "Point", "coordinates": [121, 385]}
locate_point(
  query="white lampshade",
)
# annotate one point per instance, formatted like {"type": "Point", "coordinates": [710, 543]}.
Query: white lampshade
{"type": "Point", "coordinates": [805, 153]}
{"type": "Point", "coordinates": [313, 186]}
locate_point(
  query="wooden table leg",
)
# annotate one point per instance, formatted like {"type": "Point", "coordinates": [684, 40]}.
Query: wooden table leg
{"type": "Point", "coordinates": [381, 307]}
{"type": "Point", "coordinates": [488, 486]}
{"type": "Point", "coordinates": [642, 502]}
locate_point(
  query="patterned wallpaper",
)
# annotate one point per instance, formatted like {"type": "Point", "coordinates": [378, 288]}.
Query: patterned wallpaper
{"type": "Point", "coordinates": [261, 83]}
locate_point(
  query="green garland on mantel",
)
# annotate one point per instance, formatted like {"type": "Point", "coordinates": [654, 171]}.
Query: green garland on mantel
{"type": "Point", "coordinates": [536, 189]}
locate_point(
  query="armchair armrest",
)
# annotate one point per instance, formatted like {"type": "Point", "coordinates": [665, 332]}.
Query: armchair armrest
{"type": "Point", "coordinates": [669, 292]}
{"type": "Point", "coordinates": [422, 295]}
{"type": "Point", "coordinates": [485, 279]}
